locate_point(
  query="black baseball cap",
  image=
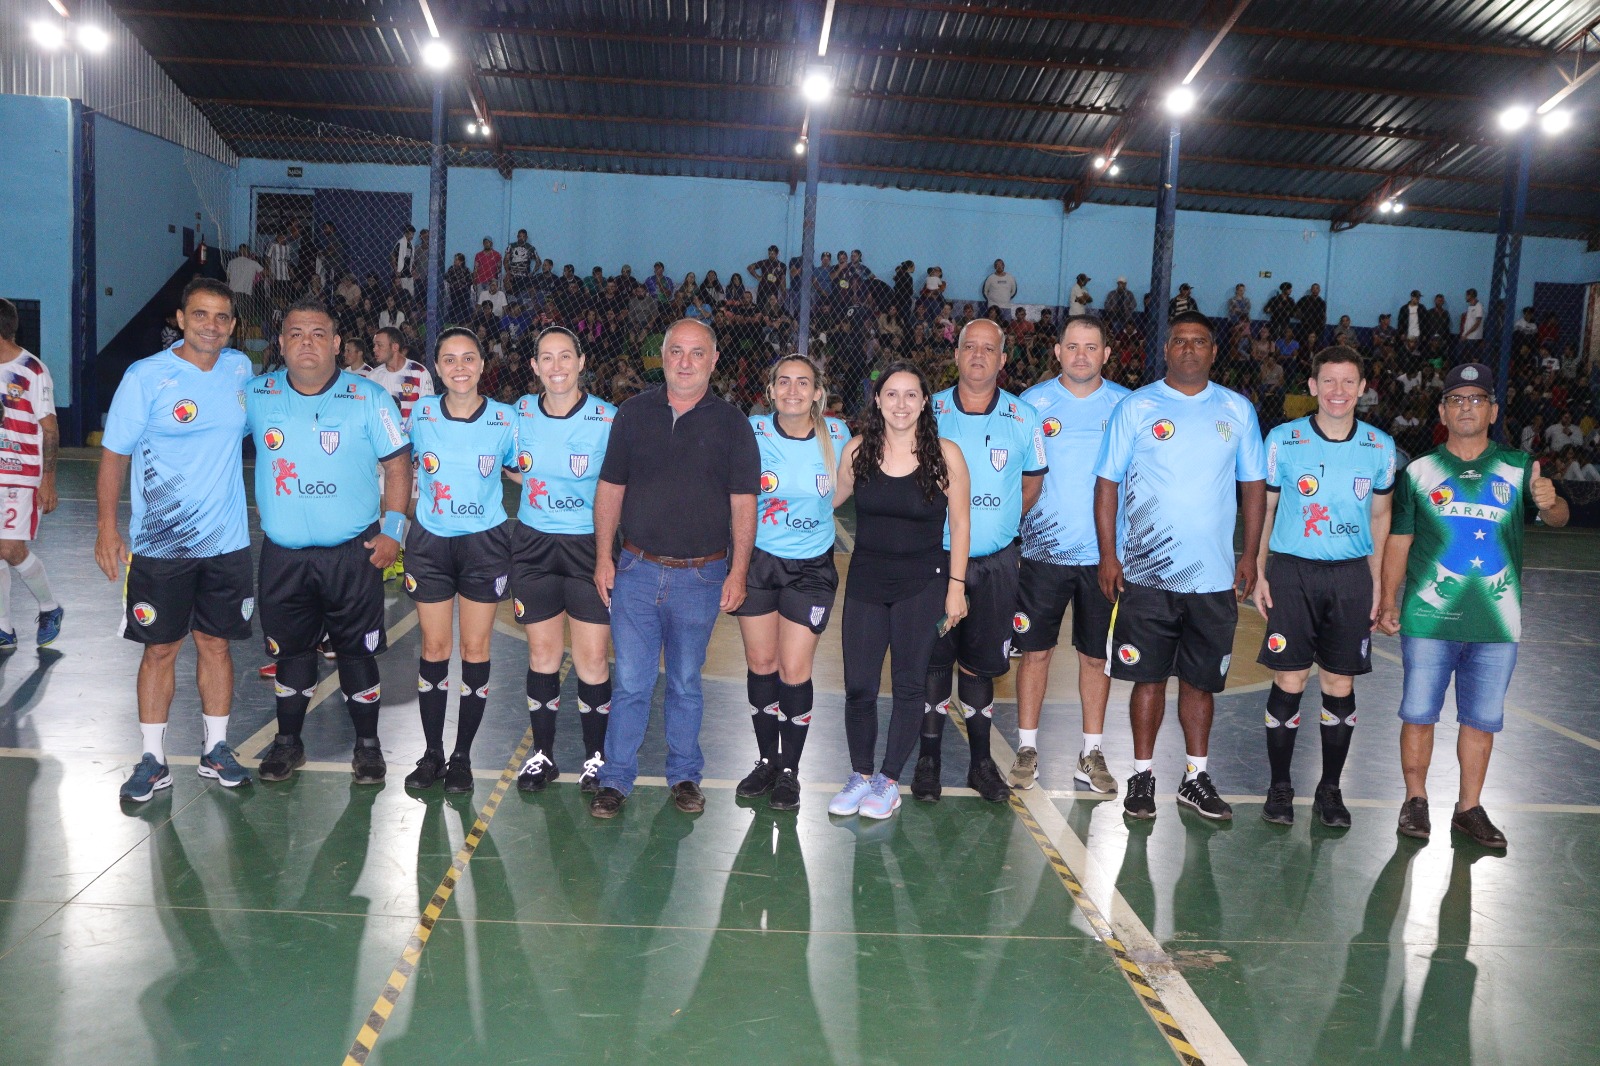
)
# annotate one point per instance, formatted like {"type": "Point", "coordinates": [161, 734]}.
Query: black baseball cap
{"type": "Point", "coordinates": [1083, 277]}
{"type": "Point", "coordinates": [1469, 376]}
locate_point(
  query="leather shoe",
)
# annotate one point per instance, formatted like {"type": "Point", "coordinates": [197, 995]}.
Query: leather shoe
{"type": "Point", "coordinates": [688, 798]}
{"type": "Point", "coordinates": [607, 802]}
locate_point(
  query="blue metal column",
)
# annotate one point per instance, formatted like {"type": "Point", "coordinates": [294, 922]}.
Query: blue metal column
{"type": "Point", "coordinates": [1508, 263]}
{"type": "Point", "coordinates": [85, 339]}
{"type": "Point", "coordinates": [808, 240]}
{"type": "Point", "coordinates": [1161, 258]}
{"type": "Point", "coordinates": [436, 236]}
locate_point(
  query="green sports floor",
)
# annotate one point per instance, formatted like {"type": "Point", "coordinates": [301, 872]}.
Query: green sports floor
{"type": "Point", "coordinates": [315, 921]}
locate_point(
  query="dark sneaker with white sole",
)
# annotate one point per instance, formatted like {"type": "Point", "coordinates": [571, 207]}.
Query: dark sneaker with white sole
{"type": "Point", "coordinates": [1200, 796]}
{"type": "Point", "coordinates": [1140, 800]}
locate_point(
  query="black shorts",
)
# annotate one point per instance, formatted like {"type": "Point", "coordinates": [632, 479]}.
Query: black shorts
{"type": "Point", "coordinates": [475, 566]}
{"type": "Point", "coordinates": [164, 599]}
{"type": "Point", "coordinates": [1156, 633]}
{"type": "Point", "coordinates": [981, 642]}
{"type": "Point", "coordinates": [306, 592]}
{"type": "Point", "coordinates": [1321, 613]}
{"type": "Point", "coordinates": [553, 573]}
{"type": "Point", "coordinates": [801, 590]}
{"type": "Point", "coordinates": [1047, 590]}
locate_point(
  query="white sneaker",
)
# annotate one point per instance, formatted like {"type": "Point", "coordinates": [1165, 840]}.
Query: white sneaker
{"type": "Point", "coordinates": [848, 801]}
{"type": "Point", "coordinates": [1025, 770]}
{"type": "Point", "coordinates": [1092, 772]}
{"type": "Point", "coordinates": [883, 800]}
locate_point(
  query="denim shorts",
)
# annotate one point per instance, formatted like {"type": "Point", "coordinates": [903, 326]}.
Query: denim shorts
{"type": "Point", "coordinates": [1482, 674]}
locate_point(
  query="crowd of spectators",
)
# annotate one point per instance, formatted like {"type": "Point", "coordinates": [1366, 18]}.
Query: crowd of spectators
{"type": "Point", "coordinates": [861, 320]}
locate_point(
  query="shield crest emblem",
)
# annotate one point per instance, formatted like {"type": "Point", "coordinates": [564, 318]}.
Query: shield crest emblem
{"type": "Point", "coordinates": [578, 464]}
{"type": "Point", "coordinates": [485, 465]}
{"type": "Point", "coordinates": [818, 614]}
{"type": "Point", "coordinates": [997, 457]}
{"type": "Point", "coordinates": [1502, 492]}
{"type": "Point", "coordinates": [330, 440]}
{"type": "Point", "coordinates": [824, 483]}
{"type": "Point", "coordinates": [1363, 485]}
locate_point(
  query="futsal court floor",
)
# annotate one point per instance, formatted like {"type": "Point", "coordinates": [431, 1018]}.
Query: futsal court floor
{"type": "Point", "coordinates": [314, 920]}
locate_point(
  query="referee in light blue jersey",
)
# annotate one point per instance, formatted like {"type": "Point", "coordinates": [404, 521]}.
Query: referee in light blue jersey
{"type": "Point", "coordinates": [1330, 480]}
{"type": "Point", "coordinates": [1176, 454]}
{"type": "Point", "coordinates": [318, 433]}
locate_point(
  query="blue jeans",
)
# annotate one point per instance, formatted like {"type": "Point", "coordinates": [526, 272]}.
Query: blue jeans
{"type": "Point", "coordinates": [656, 608]}
{"type": "Point", "coordinates": [1482, 674]}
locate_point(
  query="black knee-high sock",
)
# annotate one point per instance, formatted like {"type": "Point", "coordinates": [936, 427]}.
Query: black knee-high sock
{"type": "Point", "coordinates": [762, 691]}
{"type": "Point", "coordinates": [977, 707]}
{"type": "Point", "coordinates": [794, 704]}
{"type": "Point", "coordinates": [1338, 725]}
{"type": "Point", "coordinates": [296, 681]}
{"type": "Point", "coordinates": [363, 696]}
{"type": "Point", "coordinates": [594, 710]}
{"type": "Point", "coordinates": [936, 708]}
{"type": "Point", "coordinates": [544, 700]}
{"type": "Point", "coordinates": [474, 695]}
{"type": "Point", "coordinates": [433, 693]}
{"type": "Point", "coordinates": [1283, 726]}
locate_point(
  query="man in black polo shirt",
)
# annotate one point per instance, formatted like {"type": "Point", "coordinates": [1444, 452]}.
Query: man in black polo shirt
{"type": "Point", "coordinates": [681, 475]}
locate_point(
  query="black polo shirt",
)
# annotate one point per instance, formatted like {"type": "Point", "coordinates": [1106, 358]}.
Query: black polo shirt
{"type": "Point", "coordinates": [679, 472]}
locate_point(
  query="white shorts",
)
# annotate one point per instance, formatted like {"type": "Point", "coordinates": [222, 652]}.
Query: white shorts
{"type": "Point", "coordinates": [19, 513]}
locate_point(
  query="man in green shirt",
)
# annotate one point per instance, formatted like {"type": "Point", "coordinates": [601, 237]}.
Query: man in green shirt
{"type": "Point", "coordinates": [1456, 541]}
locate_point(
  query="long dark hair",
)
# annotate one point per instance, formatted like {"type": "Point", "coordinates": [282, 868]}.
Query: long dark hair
{"type": "Point", "coordinates": [932, 476]}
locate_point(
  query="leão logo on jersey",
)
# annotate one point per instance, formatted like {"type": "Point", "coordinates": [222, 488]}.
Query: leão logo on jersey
{"type": "Point", "coordinates": [997, 458]}
{"type": "Point", "coordinates": [578, 464]}
{"type": "Point", "coordinates": [486, 465]}
{"type": "Point", "coordinates": [1308, 484]}
{"type": "Point", "coordinates": [143, 613]}
{"type": "Point", "coordinates": [1163, 430]}
{"type": "Point", "coordinates": [185, 411]}
{"type": "Point", "coordinates": [272, 438]}
{"type": "Point", "coordinates": [1050, 426]}
{"type": "Point", "coordinates": [430, 462]}
{"type": "Point", "coordinates": [524, 461]}
{"type": "Point", "coordinates": [769, 481]}
{"type": "Point", "coordinates": [773, 510]}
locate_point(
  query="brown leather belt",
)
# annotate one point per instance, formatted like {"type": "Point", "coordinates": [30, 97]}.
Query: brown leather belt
{"type": "Point", "coordinates": [670, 561]}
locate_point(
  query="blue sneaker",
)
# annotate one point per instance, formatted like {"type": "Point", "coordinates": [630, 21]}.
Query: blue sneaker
{"type": "Point", "coordinates": [848, 801]}
{"type": "Point", "coordinates": [49, 627]}
{"type": "Point", "coordinates": [148, 777]}
{"type": "Point", "coordinates": [220, 765]}
{"type": "Point", "coordinates": [8, 641]}
{"type": "Point", "coordinates": [883, 800]}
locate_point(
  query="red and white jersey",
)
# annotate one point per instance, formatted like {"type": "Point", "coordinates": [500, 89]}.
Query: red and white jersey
{"type": "Point", "coordinates": [29, 395]}
{"type": "Point", "coordinates": [407, 385]}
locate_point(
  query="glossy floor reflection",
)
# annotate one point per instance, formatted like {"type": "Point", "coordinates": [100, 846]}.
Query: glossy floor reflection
{"type": "Point", "coordinates": [261, 925]}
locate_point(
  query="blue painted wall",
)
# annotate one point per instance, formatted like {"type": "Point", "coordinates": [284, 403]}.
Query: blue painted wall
{"type": "Point", "coordinates": [36, 224]}
{"type": "Point", "coordinates": [143, 185]}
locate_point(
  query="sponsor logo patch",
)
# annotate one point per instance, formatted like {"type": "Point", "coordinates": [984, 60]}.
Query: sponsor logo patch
{"type": "Point", "coordinates": [1163, 430]}
{"type": "Point", "coordinates": [368, 695]}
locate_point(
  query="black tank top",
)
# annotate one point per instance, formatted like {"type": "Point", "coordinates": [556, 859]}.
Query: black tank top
{"type": "Point", "coordinates": [899, 539]}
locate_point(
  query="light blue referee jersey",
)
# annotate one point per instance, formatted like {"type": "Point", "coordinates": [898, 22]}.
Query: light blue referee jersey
{"type": "Point", "coordinates": [1060, 527]}
{"type": "Point", "coordinates": [1000, 445]}
{"type": "Point", "coordinates": [560, 460]}
{"type": "Point", "coordinates": [1325, 488]}
{"type": "Point", "coordinates": [458, 463]}
{"type": "Point", "coordinates": [794, 510]}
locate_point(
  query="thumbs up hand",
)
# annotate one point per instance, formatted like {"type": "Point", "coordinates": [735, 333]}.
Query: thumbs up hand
{"type": "Point", "coordinates": [1544, 490]}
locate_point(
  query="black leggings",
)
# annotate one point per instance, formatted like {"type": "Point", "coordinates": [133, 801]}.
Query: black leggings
{"type": "Point", "coordinates": [905, 629]}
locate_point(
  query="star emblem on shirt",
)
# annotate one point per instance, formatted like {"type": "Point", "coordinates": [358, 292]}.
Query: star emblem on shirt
{"type": "Point", "coordinates": [1479, 534]}
{"type": "Point", "coordinates": [1477, 563]}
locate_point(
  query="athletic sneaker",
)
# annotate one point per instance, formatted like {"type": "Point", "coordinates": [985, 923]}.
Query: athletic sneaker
{"type": "Point", "coordinates": [1475, 823]}
{"type": "Point", "coordinates": [607, 802]}
{"type": "Point", "coordinates": [848, 800]}
{"type": "Point", "coordinates": [458, 775]}
{"type": "Point", "coordinates": [1140, 802]}
{"type": "Point", "coordinates": [8, 641]}
{"type": "Point", "coordinates": [269, 672]}
{"type": "Point", "coordinates": [925, 784]}
{"type": "Point", "coordinates": [50, 626]}
{"type": "Point", "coordinates": [1414, 821]}
{"type": "Point", "coordinates": [429, 769]}
{"type": "Point", "coordinates": [1279, 808]}
{"type": "Point", "coordinates": [282, 757]}
{"type": "Point", "coordinates": [590, 781]}
{"type": "Point", "coordinates": [221, 766]}
{"type": "Point", "coordinates": [536, 773]}
{"type": "Point", "coordinates": [1328, 804]}
{"type": "Point", "coordinates": [1025, 769]}
{"type": "Point", "coordinates": [366, 762]}
{"type": "Point", "coordinates": [1200, 796]}
{"type": "Point", "coordinates": [759, 780]}
{"type": "Point", "coordinates": [883, 798]}
{"type": "Point", "coordinates": [1092, 772]}
{"type": "Point", "coordinates": [785, 792]}
{"type": "Point", "coordinates": [984, 779]}
{"type": "Point", "coordinates": [146, 779]}
{"type": "Point", "coordinates": [396, 568]}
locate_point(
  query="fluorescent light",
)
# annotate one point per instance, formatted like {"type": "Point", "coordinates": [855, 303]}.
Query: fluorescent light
{"type": "Point", "coordinates": [817, 85]}
{"type": "Point", "coordinates": [48, 34]}
{"type": "Point", "coordinates": [436, 54]}
{"type": "Point", "coordinates": [1181, 101]}
{"type": "Point", "coordinates": [93, 39]}
{"type": "Point", "coordinates": [1515, 117]}
{"type": "Point", "coordinates": [1556, 122]}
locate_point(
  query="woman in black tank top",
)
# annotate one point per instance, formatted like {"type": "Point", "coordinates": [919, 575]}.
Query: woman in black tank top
{"type": "Point", "coordinates": [907, 484]}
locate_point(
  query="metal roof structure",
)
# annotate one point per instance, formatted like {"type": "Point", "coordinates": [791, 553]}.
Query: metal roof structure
{"type": "Point", "coordinates": [1306, 109]}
